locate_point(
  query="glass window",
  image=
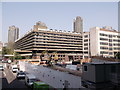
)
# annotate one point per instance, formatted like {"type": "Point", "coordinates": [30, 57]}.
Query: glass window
{"type": "Point", "coordinates": [86, 36]}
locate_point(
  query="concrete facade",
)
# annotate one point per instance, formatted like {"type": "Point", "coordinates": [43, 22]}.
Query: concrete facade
{"type": "Point", "coordinates": [1, 45]}
{"type": "Point", "coordinates": [86, 45]}
{"type": "Point", "coordinates": [13, 34]}
{"type": "Point", "coordinates": [102, 42]}
{"type": "Point", "coordinates": [67, 44]}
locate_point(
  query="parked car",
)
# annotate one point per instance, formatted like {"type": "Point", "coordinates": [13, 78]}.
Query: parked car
{"type": "Point", "coordinates": [1, 68]}
{"type": "Point", "coordinates": [29, 79]}
{"type": "Point", "coordinates": [20, 75]}
{"type": "Point", "coordinates": [14, 68]}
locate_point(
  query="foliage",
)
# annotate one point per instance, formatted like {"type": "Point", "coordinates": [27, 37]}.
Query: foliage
{"type": "Point", "coordinates": [118, 55]}
{"type": "Point", "coordinates": [17, 56]}
{"type": "Point", "coordinates": [6, 50]}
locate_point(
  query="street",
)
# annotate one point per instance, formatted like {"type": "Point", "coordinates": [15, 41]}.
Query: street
{"type": "Point", "coordinates": [9, 81]}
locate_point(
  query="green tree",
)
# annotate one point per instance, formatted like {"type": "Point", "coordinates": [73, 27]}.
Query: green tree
{"type": "Point", "coordinates": [118, 55]}
{"type": "Point", "coordinates": [6, 50]}
{"type": "Point", "coordinates": [17, 56]}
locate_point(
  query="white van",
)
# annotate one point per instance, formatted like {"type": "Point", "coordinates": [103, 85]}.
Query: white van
{"type": "Point", "coordinates": [1, 68]}
{"type": "Point", "coordinates": [29, 79]}
{"type": "Point", "coordinates": [14, 68]}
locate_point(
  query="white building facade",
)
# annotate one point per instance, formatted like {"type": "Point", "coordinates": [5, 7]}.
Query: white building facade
{"type": "Point", "coordinates": [101, 42]}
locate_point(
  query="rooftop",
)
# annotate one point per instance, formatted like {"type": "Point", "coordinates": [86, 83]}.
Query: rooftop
{"type": "Point", "coordinates": [101, 63]}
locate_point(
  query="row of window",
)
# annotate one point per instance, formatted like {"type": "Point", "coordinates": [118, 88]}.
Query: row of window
{"type": "Point", "coordinates": [110, 40]}
{"type": "Point", "coordinates": [116, 48]}
{"type": "Point", "coordinates": [58, 37]}
{"type": "Point", "coordinates": [110, 36]}
{"type": "Point", "coordinates": [57, 43]}
{"type": "Point", "coordinates": [103, 43]}
{"type": "Point", "coordinates": [59, 40]}
{"type": "Point", "coordinates": [104, 52]}
{"type": "Point", "coordinates": [110, 44]}
{"type": "Point", "coordinates": [85, 36]}
{"type": "Point", "coordinates": [105, 39]}
{"type": "Point", "coordinates": [56, 34]}
{"type": "Point", "coordinates": [103, 47]}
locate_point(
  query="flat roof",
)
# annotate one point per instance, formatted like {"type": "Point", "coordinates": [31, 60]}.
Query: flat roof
{"type": "Point", "coordinates": [97, 63]}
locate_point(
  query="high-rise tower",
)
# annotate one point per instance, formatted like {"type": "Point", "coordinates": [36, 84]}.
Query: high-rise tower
{"type": "Point", "coordinates": [13, 34]}
{"type": "Point", "coordinates": [40, 25]}
{"type": "Point", "coordinates": [78, 25]}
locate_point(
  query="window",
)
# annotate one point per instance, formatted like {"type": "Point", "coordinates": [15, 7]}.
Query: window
{"type": "Point", "coordinates": [110, 48]}
{"type": "Point", "coordinates": [105, 39]}
{"type": "Point", "coordinates": [103, 47]}
{"type": "Point", "coordinates": [103, 43]}
{"type": "Point", "coordinates": [101, 34]}
{"type": "Point", "coordinates": [86, 40]}
{"type": "Point", "coordinates": [86, 44]}
{"type": "Point", "coordinates": [110, 53]}
{"type": "Point", "coordinates": [86, 48]}
{"type": "Point", "coordinates": [110, 40]}
{"type": "Point", "coordinates": [110, 44]}
{"type": "Point", "coordinates": [103, 52]}
{"type": "Point", "coordinates": [85, 68]}
{"type": "Point", "coordinates": [110, 36]}
{"type": "Point", "coordinates": [86, 36]}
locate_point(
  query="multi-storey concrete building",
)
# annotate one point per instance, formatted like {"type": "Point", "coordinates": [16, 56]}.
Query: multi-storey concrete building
{"type": "Point", "coordinates": [78, 25]}
{"type": "Point", "coordinates": [101, 42]}
{"type": "Point", "coordinates": [13, 34]}
{"type": "Point", "coordinates": [68, 45]}
{"type": "Point", "coordinates": [1, 45]}
{"type": "Point", "coordinates": [86, 44]}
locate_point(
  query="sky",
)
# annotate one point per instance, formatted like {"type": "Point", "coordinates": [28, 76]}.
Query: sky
{"type": "Point", "coordinates": [57, 15]}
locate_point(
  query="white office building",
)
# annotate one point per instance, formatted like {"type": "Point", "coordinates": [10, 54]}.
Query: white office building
{"type": "Point", "coordinates": [101, 42]}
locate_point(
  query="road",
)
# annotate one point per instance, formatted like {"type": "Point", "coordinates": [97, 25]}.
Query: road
{"type": "Point", "coordinates": [9, 81]}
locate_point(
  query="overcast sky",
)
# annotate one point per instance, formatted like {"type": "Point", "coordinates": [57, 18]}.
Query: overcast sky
{"type": "Point", "coordinates": [57, 15]}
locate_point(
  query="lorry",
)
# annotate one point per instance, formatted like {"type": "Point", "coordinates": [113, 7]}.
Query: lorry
{"type": "Point", "coordinates": [39, 85]}
{"type": "Point", "coordinates": [29, 79]}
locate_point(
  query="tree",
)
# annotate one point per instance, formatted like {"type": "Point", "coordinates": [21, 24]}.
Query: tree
{"type": "Point", "coordinates": [17, 56]}
{"type": "Point", "coordinates": [6, 50]}
{"type": "Point", "coordinates": [118, 55]}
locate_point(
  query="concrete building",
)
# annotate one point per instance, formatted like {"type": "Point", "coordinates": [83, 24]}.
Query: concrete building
{"type": "Point", "coordinates": [68, 45]}
{"type": "Point", "coordinates": [13, 34]}
{"type": "Point", "coordinates": [101, 42]}
{"type": "Point", "coordinates": [101, 75]}
{"type": "Point", "coordinates": [78, 25]}
{"type": "Point", "coordinates": [1, 45]}
{"type": "Point", "coordinates": [86, 45]}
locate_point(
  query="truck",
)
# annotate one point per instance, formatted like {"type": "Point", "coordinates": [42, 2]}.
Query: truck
{"type": "Point", "coordinates": [29, 79]}
{"type": "Point", "coordinates": [39, 85]}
